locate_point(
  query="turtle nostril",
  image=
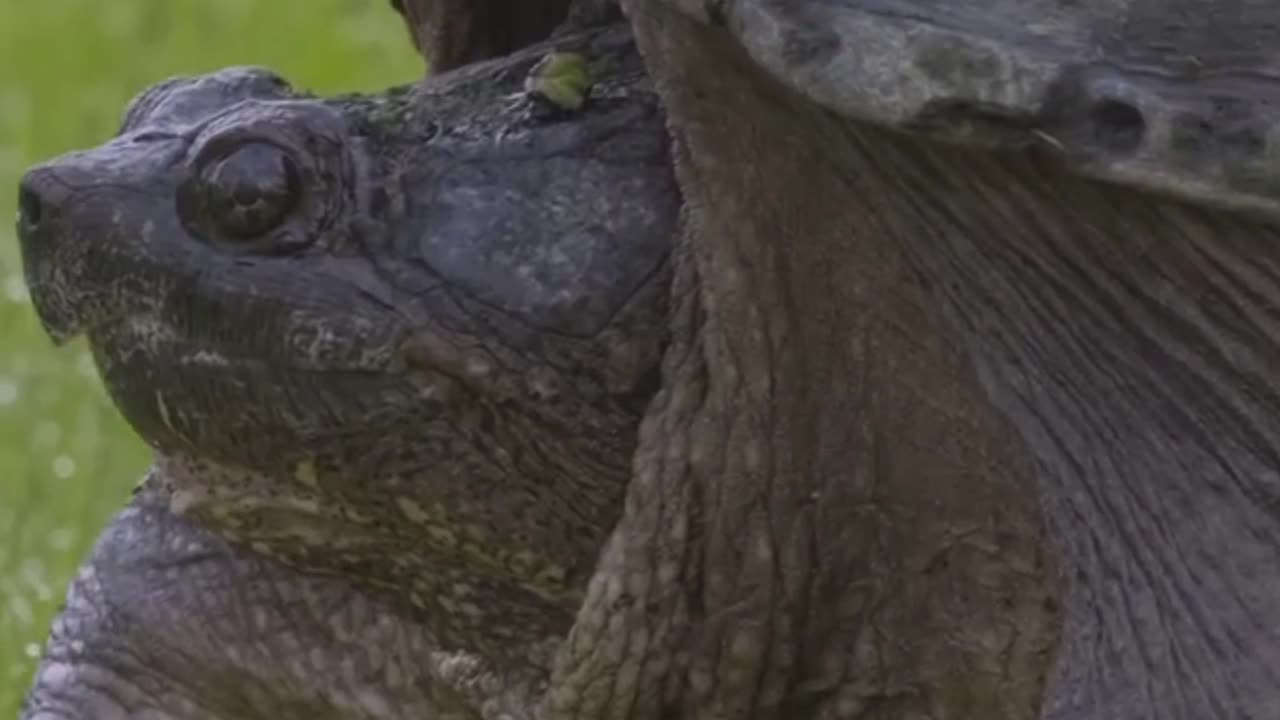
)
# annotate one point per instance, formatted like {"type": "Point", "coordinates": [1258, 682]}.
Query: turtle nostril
{"type": "Point", "coordinates": [30, 207]}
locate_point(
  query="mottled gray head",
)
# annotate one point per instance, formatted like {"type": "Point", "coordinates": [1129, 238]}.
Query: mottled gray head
{"type": "Point", "coordinates": [262, 274]}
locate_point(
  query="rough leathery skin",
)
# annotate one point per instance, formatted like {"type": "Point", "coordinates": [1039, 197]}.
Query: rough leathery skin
{"type": "Point", "coordinates": [391, 353]}
{"type": "Point", "coordinates": [1052, 400]}
{"type": "Point", "coordinates": [248, 632]}
{"type": "Point", "coordinates": [825, 521]}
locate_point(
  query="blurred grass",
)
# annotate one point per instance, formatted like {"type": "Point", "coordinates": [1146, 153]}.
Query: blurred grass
{"type": "Point", "coordinates": [67, 68]}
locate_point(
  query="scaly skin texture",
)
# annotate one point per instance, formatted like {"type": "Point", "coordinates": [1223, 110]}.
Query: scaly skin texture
{"type": "Point", "coordinates": [944, 431]}
{"type": "Point", "coordinates": [956, 432]}
{"type": "Point", "coordinates": [827, 519]}
{"type": "Point", "coordinates": [391, 352]}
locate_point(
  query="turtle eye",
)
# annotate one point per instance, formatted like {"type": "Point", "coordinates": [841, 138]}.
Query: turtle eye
{"type": "Point", "coordinates": [243, 194]}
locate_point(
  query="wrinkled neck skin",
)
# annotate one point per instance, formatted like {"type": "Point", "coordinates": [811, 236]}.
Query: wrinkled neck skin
{"type": "Point", "coordinates": [1131, 342]}
{"type": "Point", "coordinates": [1033, 475]}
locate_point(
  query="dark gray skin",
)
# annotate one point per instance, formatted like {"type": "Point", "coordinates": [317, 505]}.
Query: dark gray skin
{"type": "Point", "coordinates": [978, 414]}
{"type": "Point", "coordinates": [948, 428]}
{"type": "Point", "coordinates": [971, 406]}
{"type": "Point", "coordinates": [391, 352]}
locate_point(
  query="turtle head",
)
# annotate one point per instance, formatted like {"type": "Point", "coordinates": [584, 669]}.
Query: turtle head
{"type": "Point", "coordinates": [207, 252]}
{"type": "Point", "coordinates": [262, 274]}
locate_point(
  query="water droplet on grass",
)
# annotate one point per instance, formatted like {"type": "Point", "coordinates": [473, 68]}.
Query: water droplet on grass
{"type": "Point", "coordinates": [64, 467]}
{"type": "Point", "coordinates": [61, 538]}
{"type": "Point", "coordinates": [86, 367]}
{"type": "Point", "coordinates": [15, 290]}
{"type": "Point", "coordinates": [46, 435]}
{"type": "Point", "coordinates": [20, 609]}
{"type": "Point", "coordinates": [8, 392]}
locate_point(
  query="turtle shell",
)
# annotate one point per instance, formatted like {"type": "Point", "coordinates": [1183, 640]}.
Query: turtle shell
{"type": "Point", "coordinates": [1179, 96]}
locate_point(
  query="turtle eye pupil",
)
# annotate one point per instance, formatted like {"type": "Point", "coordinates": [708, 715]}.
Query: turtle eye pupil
{"type": "Point", "coordinates": [244, 194]}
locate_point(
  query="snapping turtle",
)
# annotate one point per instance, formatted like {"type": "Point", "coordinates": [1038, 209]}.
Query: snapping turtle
{"type": "Point", "coordinates": [968, 404]}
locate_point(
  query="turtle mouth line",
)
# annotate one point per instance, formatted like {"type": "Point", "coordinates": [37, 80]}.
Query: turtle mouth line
{"type": "Point", "coordinates": [158, 341]}
{"type": "Point", "coordinates": [63, 334]}
{"type": "Point", "coordinates": [146, 341]}
{"type": "Point", "coordinates": [68, 310]}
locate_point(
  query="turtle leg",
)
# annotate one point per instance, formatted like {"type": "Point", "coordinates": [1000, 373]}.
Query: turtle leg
{"type": "Point", "coordinates": [167, 621]}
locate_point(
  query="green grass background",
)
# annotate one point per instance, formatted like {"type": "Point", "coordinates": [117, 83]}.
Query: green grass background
{"type": "Point", "coordinates": [67, 68]}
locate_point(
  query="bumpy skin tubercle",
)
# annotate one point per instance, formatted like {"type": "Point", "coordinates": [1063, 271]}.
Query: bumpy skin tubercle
{"type": "Point", "coordinates": [391, 353]}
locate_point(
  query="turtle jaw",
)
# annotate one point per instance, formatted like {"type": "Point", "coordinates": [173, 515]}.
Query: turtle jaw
{"type": "Point", "coordinates": [185, 393]}
{"type": "Point", "coordinates": [91, 227]}
{"type": "Point", "coordinates": [97, 227]}
{"type": "Point", "coordinates": [201, 351]}
{"type": "Point", "coordinates": [76, 294]}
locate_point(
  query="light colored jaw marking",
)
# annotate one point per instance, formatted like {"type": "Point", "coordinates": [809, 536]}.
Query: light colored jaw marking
{"type": "Point", "coordinates": [151, 333]}
{"type": "Point", "coordinates": [228, 499]}
{"type": "Point", "coordinates": [205, 358]}
{"type": "Point", "coordinates": [162, 409]}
